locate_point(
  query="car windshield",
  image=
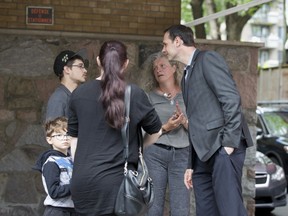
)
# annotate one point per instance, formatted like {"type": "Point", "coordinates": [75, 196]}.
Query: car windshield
{"type": "Point", "coordinates": [277, 123]}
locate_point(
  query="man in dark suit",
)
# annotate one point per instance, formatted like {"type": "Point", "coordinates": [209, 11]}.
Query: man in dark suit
{"type": "Point", "coordinates": [218, 132]}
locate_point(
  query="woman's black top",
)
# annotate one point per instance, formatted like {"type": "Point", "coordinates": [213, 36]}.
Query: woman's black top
{"type": "Point", "coordinates": [99, 161]}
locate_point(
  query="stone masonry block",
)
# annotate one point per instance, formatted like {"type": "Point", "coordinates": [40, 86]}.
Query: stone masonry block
{"type": "Point", "coordinates": [20, 87]}
{"type": "Point", "coordinates": [20, 194]}
{"type": "Point", "coordinates": [6, 115]}
{"type": "Point", "coordinates": [247, 86]}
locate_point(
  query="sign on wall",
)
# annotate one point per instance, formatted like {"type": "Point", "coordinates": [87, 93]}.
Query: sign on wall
{"type": "Point", "coordinates": [39, 15]}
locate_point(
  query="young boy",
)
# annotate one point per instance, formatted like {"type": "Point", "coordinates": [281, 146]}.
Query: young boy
{"type": "Point", "coordinates": [56, 168]}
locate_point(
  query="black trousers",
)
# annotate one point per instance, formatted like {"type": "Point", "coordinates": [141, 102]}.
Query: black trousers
{"type": "Point", "coordinates": [217, 184]}
{"type": "Point", "coordinates": [58, 211]}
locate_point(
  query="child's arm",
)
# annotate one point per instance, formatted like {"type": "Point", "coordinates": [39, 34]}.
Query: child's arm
{"type": "Point", "coordinates": [51, 173]}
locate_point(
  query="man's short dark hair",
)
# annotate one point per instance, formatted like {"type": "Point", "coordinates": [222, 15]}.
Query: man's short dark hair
{"type": "Point", "coordinates": [184, 32]}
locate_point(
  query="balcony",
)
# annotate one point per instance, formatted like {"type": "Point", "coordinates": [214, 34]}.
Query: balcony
{"type": "Point", "coordinates": [270, 42]}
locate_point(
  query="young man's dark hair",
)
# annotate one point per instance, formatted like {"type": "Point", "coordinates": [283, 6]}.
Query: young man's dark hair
{"type": "Point", "coordinates": [185, 33]}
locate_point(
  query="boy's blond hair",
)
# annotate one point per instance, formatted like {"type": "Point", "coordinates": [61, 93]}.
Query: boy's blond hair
{"type": "Point", "coordinates": [56, 125]}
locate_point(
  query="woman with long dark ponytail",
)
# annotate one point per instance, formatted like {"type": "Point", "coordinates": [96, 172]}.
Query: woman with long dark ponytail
{"type": "Point", "coordinates": [113, 59]}
{"type": "Point", "coordinates": [96, 117]}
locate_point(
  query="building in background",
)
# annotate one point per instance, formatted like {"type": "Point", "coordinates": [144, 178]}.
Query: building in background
{"type": "Point", "coordinates": [267, 26]}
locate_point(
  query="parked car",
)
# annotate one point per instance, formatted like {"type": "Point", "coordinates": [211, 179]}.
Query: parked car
{"type": "Point", "coordinates": [272, 132]}
{"type": "Point", "coordinates": [270, 184]}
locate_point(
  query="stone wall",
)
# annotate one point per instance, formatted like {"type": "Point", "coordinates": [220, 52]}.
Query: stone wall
{"type": "Point", "coordinates": [27, 80]}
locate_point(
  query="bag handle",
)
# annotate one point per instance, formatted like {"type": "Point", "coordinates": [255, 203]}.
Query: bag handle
{"type": "Point", "coordinates": [125, 128]}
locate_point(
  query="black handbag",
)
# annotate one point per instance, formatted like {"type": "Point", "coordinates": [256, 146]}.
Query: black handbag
{"type": "Point", "coordinates": [136, 194]}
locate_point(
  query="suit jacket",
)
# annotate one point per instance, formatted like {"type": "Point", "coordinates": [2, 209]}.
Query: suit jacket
{"type": "Point", "coordinates": [213, 106]}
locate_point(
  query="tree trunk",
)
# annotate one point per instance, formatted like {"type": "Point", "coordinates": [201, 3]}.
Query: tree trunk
{"type": "Point", "coordinates": [233, 28]}
{"type": "Point", "coordinates": [214, 24]}
{"type": "Point", "coordinates": [235, 22]}
{"type": "Point", "coordinates": [197, 11]}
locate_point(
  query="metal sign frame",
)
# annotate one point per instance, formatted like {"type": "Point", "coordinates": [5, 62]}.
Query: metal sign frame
{"type": "Point", "coordinates": [39, 15]}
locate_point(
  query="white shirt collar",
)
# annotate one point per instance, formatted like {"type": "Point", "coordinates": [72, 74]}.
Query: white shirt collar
{"type": "Point", "coordinates": [190, 60]}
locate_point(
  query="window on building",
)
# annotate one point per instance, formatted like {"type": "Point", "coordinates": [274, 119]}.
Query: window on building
{"type": "Point", "coordinates": [260, 31]}
{"type": "Point", "coordinates": [280, 32]}
{"type": "Point", "coordinates": [265, 8]}
{"type": "Point", "coordinates": [263, 57]}
{"type": "Point", "coordinates": [280, 56]}
{"type": "Point", "coordinates": [262, 12]}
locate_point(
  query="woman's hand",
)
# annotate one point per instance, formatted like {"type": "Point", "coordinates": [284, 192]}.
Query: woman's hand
{"type": "Point", "coordinates": [171, 124]}
{"type": "Point", "coordinates": [179, 114]}
{"type": "Point", "coordinates": [177, 119]}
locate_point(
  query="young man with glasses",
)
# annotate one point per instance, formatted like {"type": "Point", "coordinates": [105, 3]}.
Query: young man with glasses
{"type": "Point", "coordinates": [56, 168]}
{"type": "Point", "coordinates": [71, 69]}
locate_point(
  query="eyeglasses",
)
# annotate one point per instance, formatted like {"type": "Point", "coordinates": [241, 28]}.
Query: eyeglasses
{"type": "Point", "coordinates": [82, 67]}
{"type": "Point", "coordinates": [61, 136]}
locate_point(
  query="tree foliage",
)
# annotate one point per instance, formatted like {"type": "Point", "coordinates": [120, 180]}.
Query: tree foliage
{"type": "Point", "coordinates": [234, 22]}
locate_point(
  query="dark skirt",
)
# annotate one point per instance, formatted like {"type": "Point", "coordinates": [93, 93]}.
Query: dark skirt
{"type": "Point", "coordinates": [58, 211]}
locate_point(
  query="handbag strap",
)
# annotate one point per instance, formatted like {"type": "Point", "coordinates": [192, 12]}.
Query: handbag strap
{"type": "Point", "coordinates": [125, 128]}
